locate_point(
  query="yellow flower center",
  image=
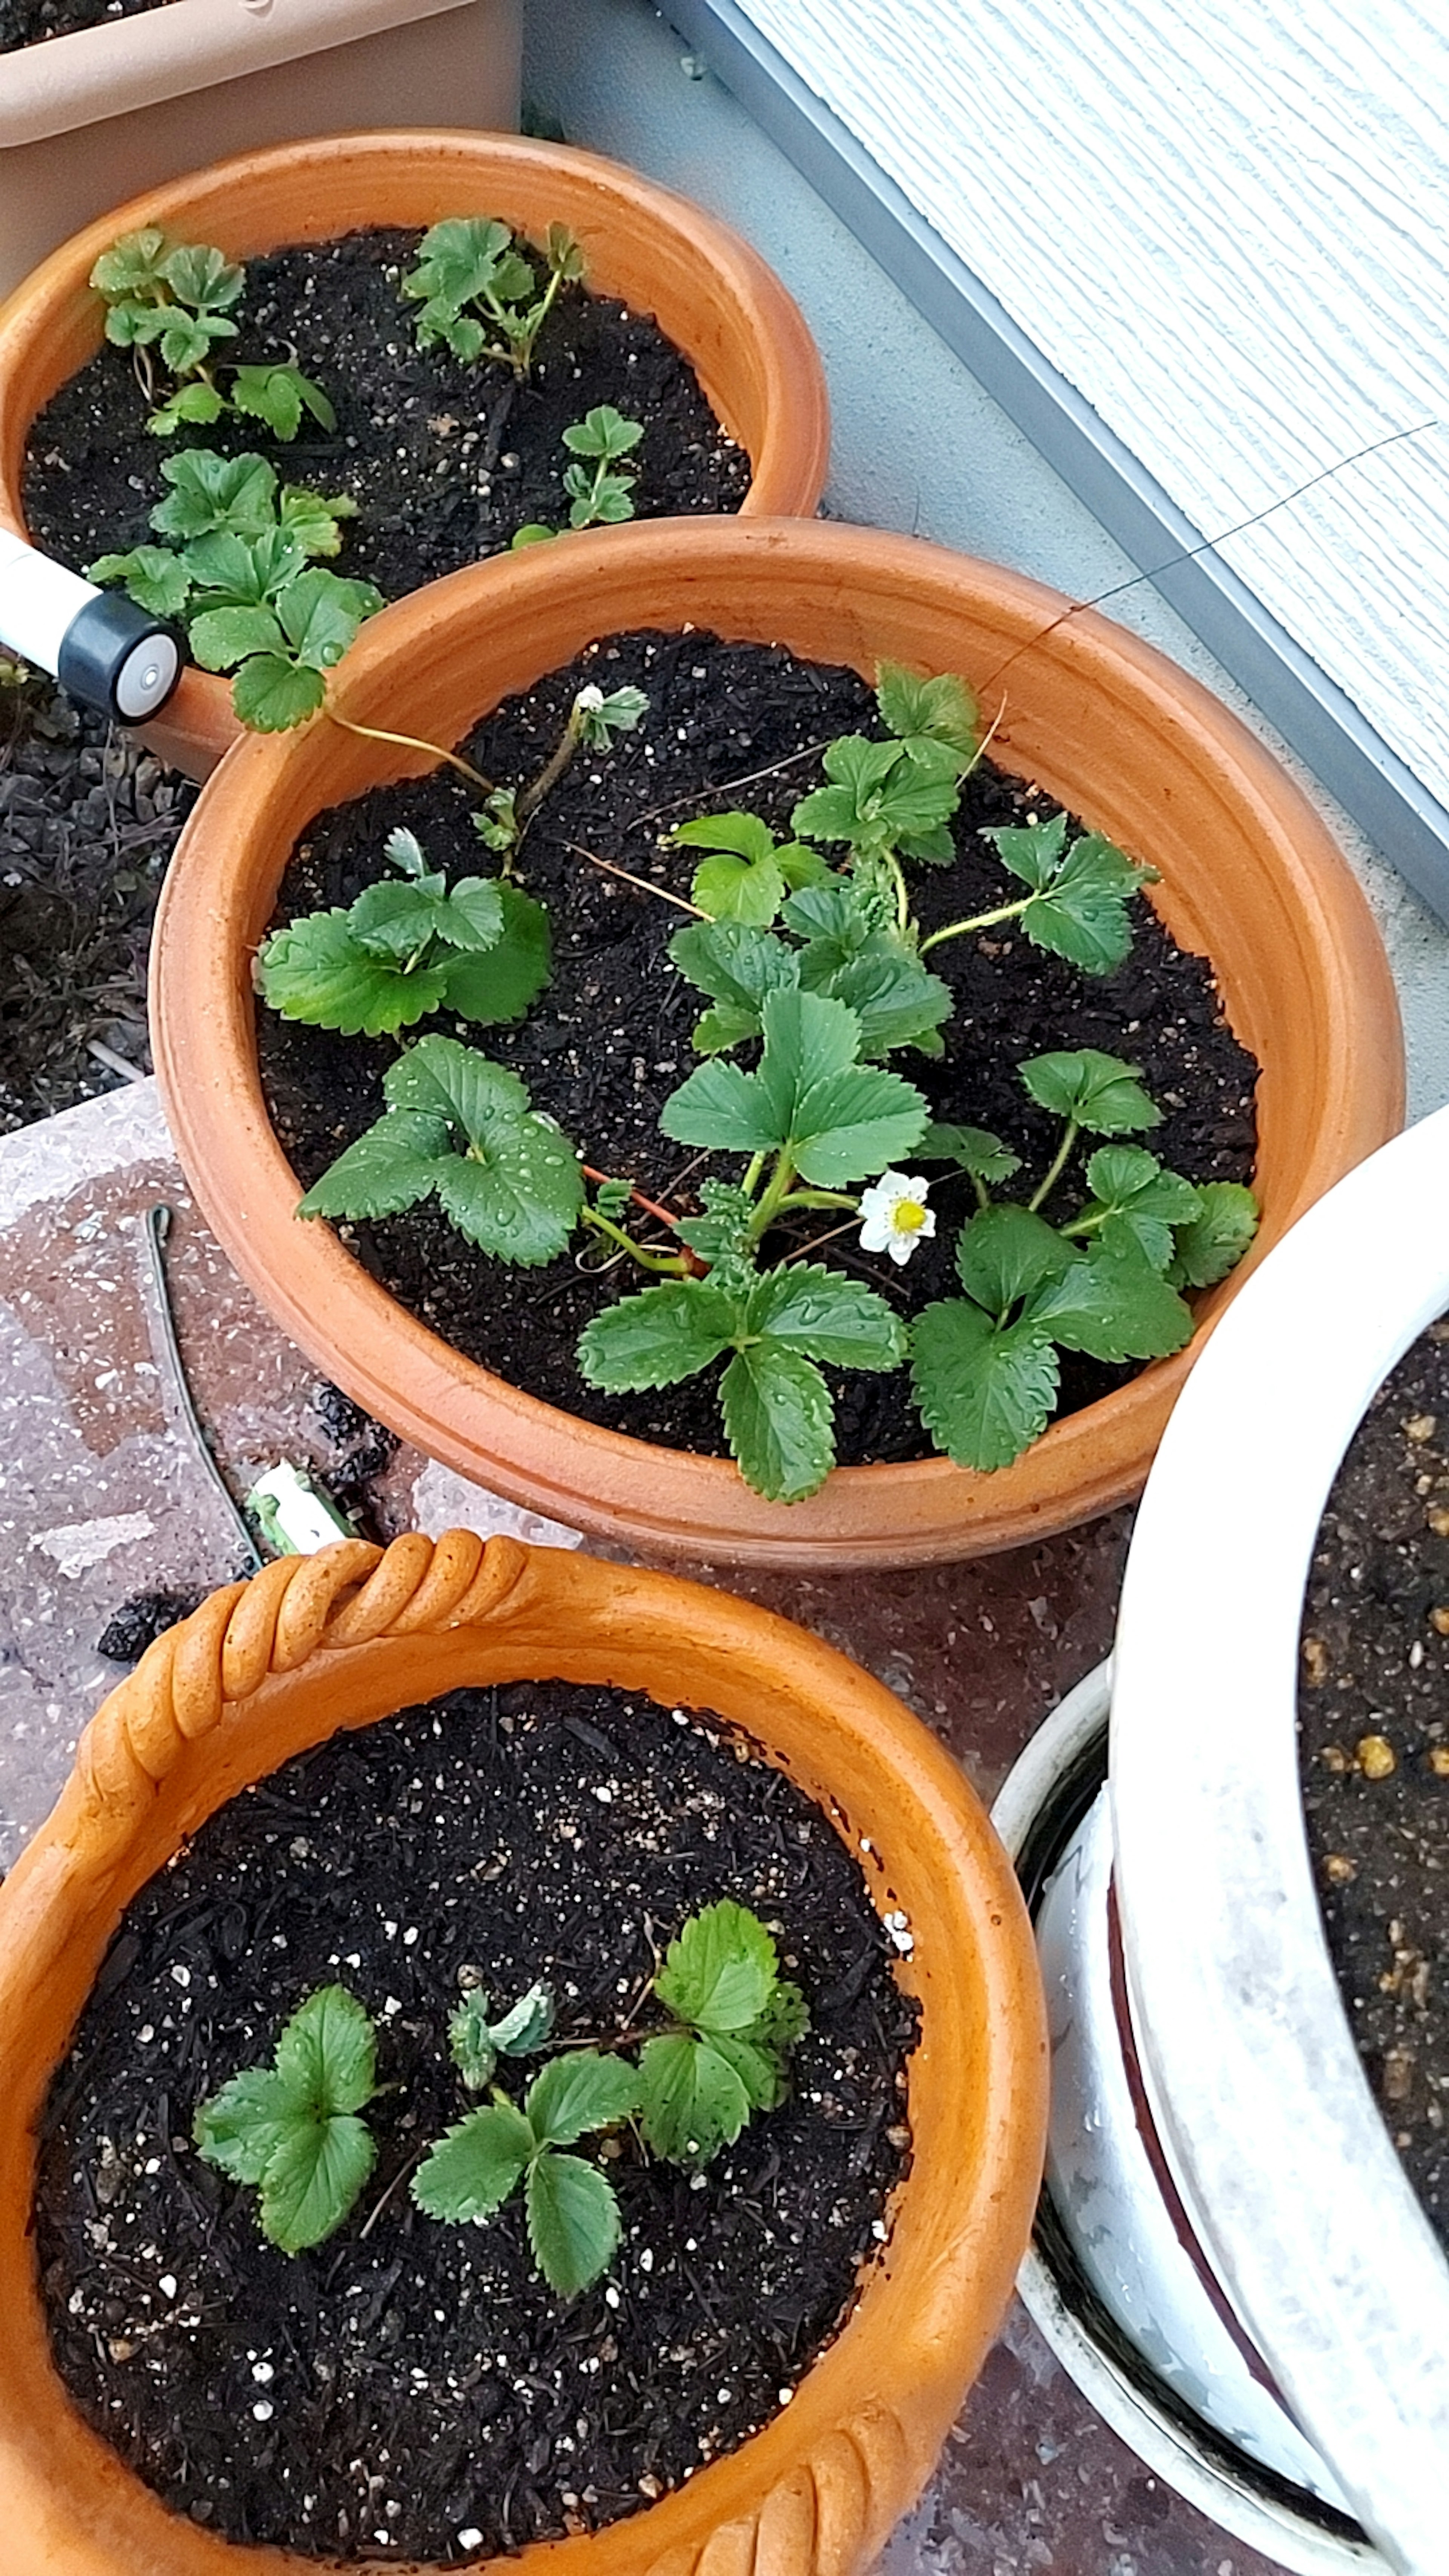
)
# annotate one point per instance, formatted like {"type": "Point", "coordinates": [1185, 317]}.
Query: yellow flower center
{"type": "Point", "coordinates": [908, 1216]}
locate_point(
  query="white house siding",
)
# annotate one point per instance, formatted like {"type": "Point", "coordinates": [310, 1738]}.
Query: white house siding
{"type": "Point", "coordinates": [1228, 226]}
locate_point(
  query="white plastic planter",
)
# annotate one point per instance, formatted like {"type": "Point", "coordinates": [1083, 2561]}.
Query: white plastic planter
{"type": "Point", "coordinates": [1128, 2307]}
{"type": "Point", "coordinates": [1254, 2083]}
{"type": "Point", "coordinates": [1250, 2082]}
{"type": "Point", "coordinates": [89, 120]}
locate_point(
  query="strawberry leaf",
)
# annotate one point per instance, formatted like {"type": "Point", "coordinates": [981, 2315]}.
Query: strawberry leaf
{"type": "Point", "coordinates": [476, 2164]}
{"type": "Point", "coordinates": [1214, 1241]}
{"type": "Point", "coordinates": [780, 1421]}
{"type": "Point", "coordinates": [985, 1391]}
{"type": "Point", "coordinates": [580, 2092]}
{"type": "Point", "coordinates": [573, 2222]}
{"type": "Point", "coordinates": [694, 2100]}
{"type": "Point", "coordinates": [721, 1969]}
{"type": "Point", "coordinates": [1099, 1091]}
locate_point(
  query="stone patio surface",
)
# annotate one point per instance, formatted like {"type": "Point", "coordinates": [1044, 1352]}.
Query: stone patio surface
{"type": "Point", "coordinates": [102, 1496]}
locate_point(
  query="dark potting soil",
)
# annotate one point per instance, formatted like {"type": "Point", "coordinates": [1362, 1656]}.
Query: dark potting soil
{"type": "Point", "coordinates": [88, 821]}
{"type": "Point", "coordinates": [1373, 1725]}
{"type": "Point", "coordinates": [610, 1040]}
{"type": "Point", "coordinates": [444, 461]}
{"type": "Point", "coordinates": [408, 2389]}
{"type": "Point", "coordinates": [30, 22]}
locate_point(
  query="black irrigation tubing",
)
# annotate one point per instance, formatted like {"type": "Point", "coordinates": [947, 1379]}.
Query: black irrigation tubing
{"type": "Point", "coordinates": [157, 1226]}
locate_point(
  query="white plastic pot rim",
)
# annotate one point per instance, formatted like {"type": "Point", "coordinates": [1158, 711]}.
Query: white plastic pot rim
{"type": "Point", "coordinates": [131, 64]}
{"type": "Point", "coordinates": [1251, 2070]}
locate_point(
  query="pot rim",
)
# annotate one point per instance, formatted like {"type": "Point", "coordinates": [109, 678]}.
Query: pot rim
{"type": "Point", "coordinates": [1309, 975]}
{"type": "Point", "coordinates": [346, 1636]}
{"type": "Point", "coordinates": [1239, 2501]}
{"type": "Point", "coordinates": [1237, 2009]}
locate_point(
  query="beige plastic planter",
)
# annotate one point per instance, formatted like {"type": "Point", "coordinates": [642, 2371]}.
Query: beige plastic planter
{"type": "Point", "coordinates": [710, 293]}
{"type": "Point", "coordinates": [266, 1669]}
{"type": "Point", "coordinates": [89, 119]}
{"type": "Point", "coordinates": [1107, 725]}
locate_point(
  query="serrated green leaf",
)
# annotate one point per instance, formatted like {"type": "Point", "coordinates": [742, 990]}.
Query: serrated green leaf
{"type": "Point", "coordinates": [471, 2043]}
{"type": "Point", "coordinates": [279, 395]}
{"type": "Point", "coordinates": [578, 2092]}
{"type": "Point", "coordinates": [721, 1233]}
{"type": "Point", "coordinates": [314, 971]}
{"type": "Point", "coordinates": [321, 614]}
{"type": "Point", "coordinates": [731, 890]}
{"type": "Point", "coordinates": [984, 1392]}
{"type": "Point", "coordinates": [516, 1195]}
{"type": "Point", "coordinates": [828, 1316]}
{"type": "Point", "coordinates": [737, 965]}
{"type": "Point", "coordinates": [222, 637]}
{"type": "Point", "coordinates": [390, 1167]}
{"type": "Point", "coordinates": [313, 2179]}
{"type": "Point", "coordinates": [573, 2222]}
{"type": "Point", "coordinates": [780, 1421]}
{"type": "Point", "coordinates": [838, 915]}
{"type": "Point", "coordinates": [203, 276]}
{"type": "Point", "coordinates": [1032, 851]}
{"type": "Point", "coordinates": [209, 491]}
{"type": "Point", "coordinates": [720, 1970]}
{"type": "Point", "coordinates": [897, 1001]}
{"type": "Point", "coordinates": [975, 1149]}
{"type": "Point", "coordinates": [188, 339]}
{"type": "Point", "coordinates": [404, 851]}
{"type": "Point", "coordinates": [498, 987]}
{"type": "Point", "coordinates": [271, 695]}
{"type": "Point", "coordinates": [1113, 1305]}
{"type": "Point", "coordinates": [133, 263]}
{"type": "Point", "coordinates": [694, 2101]}
{"type": "Point", "coordinates": [837, 1120]}
{"type": "Point", "coordinates": [527, 2024]}
{"type": "Point", "coordinates": [785, 2019]}
{"type": "Point", "coordinates": [940, 709]}
{"type": "Point", "coordinates": [1082, 914]}
{"type": "Point", "coordinates": [327, 2054]}
{"type": "Point", "coordinates": [243, 572]}
{"type": "Point", "coordinates": [603, 431]}
{"type": "Point", "coordinates": [659, 1337]}
{"type": "Point", "coordinates": [1005, 1252]}
{"type": "Point", "coordinates": [745, 836]}
{"type": "Point", "coordinates": [196, 405]}
{"type": "Point", "coordinates": [758, 2069]}
{"type": "Point", "coordinates": [1215, 1240]}
{"type": "Point", "coordinates": [157, 581]}
{"type": "Point", "coordinates": [240, 2126]}
{"type": "Point", "coordinates": [1100, 1092]}
{"type": "Point", "coordinates": [1128, 1183]}
{"type": "Point", "coordinates": [475, 2165]}
{"type": "Point", "coordinates": [620, 711]}
{"type": "Point", "coordinates": [312, 517]}
{"type": "Point", "coordinates": [880, 791]}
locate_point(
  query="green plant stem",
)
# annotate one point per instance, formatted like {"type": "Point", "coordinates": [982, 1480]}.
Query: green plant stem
{"type": "Point", "coordinates": [903, 893]}
{"type": "Point", "coordinates": [531, 797]}
{"type": "Point", "coordinates": [979, 921]}
{"type": "Point", "coordinates": [413, 742]}
{"type": "Point", "coordinates": [669, 1265]}
{"type": "Point", "coordinates": [1040, 1196]}
{"type": "Point", "coordinates": [751, 1181]}
{"type": "Point", "coordinates": [818, 1199]}
{"type": "Point", "coordinates": [777, 1191]}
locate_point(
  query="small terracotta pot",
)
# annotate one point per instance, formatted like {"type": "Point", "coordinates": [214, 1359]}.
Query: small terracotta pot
{"type": "Point", "coordinates": [710, 293]}
{"type": "Point", "coordinates": [313, 1644]}
{"type": "Point", "coordinates": [1119, 734]}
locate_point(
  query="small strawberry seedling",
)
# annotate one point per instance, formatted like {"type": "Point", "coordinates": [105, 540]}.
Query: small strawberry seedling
{"type": "Point", "coordinates": [292, 2129]}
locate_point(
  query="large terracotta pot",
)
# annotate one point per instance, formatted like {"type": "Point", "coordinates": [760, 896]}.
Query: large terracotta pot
{"type": "Point", "coordinates": [266, 1669]}
{"type": "Point", "coordinates": [1249, 876]}
{"type": "Point", "coordinates": [710, 293]}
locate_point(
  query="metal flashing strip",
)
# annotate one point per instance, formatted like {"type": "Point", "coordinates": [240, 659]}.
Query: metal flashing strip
{"type": "Point", "coordinates": [1354, 763]}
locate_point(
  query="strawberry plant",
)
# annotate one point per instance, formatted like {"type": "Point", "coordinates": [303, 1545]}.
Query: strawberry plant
{"type": "Point", "coordinates": [240, 574]}
{"type": "Point", "coordinates": [409, 946]}
{"type": "Point", "coordinates": [572, 2209]}
{"type": "Point", "coordinates": [173, 302]}
{"type": "Point", "coordinates": [293, 2129]}
{"type": "Point", "coordinates": [823, 969]}
{"type": "Point", "coordinates": [479, 295]}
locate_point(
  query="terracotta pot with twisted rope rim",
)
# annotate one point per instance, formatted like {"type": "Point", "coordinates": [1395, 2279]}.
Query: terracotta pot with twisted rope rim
{"type": "Point", "coordinates": [709, 292]}
{"type": "Point", "coordinates": [1111, 728]}
{"type": "Point", "coordinates": [313, 1644]}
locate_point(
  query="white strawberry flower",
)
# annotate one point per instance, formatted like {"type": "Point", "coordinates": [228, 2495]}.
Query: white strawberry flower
{"type": "Point", "coordinates": [896, 1217]}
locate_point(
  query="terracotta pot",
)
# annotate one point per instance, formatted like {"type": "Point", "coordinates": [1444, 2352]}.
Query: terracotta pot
{"type": "Point", "coordinates": [264, 1670]}
{"type": "Point", "coordinates": [1119, 734]}
{"type": "Point", "coordinates": [710, 293]}
{"type": "Point", "coordinates": [92, 117]}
